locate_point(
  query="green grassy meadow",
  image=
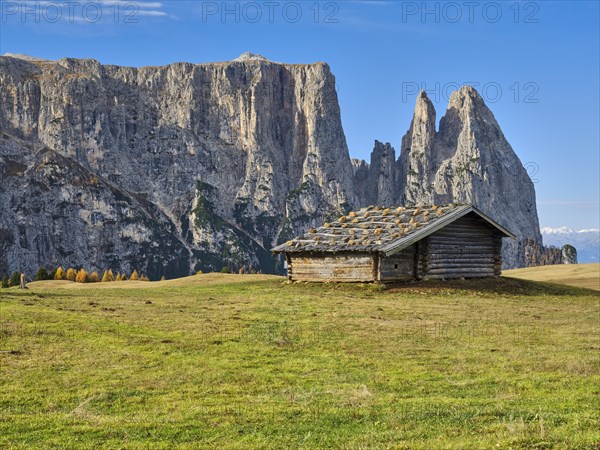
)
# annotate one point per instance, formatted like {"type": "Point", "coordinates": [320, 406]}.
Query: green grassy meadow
{"type": "Point", "coordinates": [255, 362]}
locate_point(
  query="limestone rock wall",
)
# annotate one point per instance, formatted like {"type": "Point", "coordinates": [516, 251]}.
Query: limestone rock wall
{"type": "Point", "coordinates": [198, 166]}
{"type": "Point", "coordinates": [262, 140]}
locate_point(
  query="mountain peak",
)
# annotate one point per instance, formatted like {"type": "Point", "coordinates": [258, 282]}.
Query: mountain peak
{"type": "Point", "coordinates": [249, 56]}
{"type": "Point", "coordinates": [424, 111]}
{"type": "Point", "coordinates": [467, 96]}
{"type": "Point", "coordinates": [559, 230]}
{"type": "Point", "coordinates": [23, 57]}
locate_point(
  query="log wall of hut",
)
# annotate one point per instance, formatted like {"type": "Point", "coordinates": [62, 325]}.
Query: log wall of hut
{"type": "Point", "coordinates": [347, 267]}
{"type": "Point", "coordinates": [398, 267]}
{"type": "Point", "coordinates": [469, 247]}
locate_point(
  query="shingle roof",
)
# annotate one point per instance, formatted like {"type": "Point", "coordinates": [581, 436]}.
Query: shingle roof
{"type": "Point", "coordinates": [378, 229]}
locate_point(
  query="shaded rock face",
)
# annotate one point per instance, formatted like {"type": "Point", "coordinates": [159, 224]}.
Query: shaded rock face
{"type": "Point", "coordinates": [569, 254]}
{"type": "Point", "coordinates": [229, 157]}
{"type": "Point", "coordinates": [536, 254]}
{"type": "Point", "coordinates": [375, 183]}
{"type": "Point", "coordinates": [60, 212]}
{"type": "Point", "coordinates": [467, 160]}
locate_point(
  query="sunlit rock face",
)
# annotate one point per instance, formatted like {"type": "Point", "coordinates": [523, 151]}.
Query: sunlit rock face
{"type": "Point", "coordinates": [190, 167]}
{"type": "Point", "coordinates": [466, 160]}
{"type": "Point", "coordinates": [232, 156]}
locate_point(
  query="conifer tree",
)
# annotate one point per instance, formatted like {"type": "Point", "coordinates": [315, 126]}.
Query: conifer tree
{"type": "Point", "coordinates": [111, 277]}
{"type": "Point", "coordinates": [118, 277]}
{"type": "Point", "coordinates": [134, 276]}
{"type": "Point", "coordinates": [42, 274]}
{"type": "Point", "coordinates": [93, 278]}
{"type": "Point", "coordinates": [15, 279]}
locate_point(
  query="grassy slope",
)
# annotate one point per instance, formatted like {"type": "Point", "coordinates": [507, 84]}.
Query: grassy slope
{"type": "Point", "coordinates": [262, 363]}
{"type": "Point", "coordinates": [579, 275]}
{"type": "Point", "coordinates": [205, 279]}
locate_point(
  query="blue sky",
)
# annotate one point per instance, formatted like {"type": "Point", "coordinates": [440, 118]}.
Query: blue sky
{"type": "Point", "coordinates": [536, 63]}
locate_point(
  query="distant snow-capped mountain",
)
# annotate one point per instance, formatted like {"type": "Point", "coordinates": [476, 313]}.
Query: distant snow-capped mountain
{"type": "Point", "coordinates": [587, 242]}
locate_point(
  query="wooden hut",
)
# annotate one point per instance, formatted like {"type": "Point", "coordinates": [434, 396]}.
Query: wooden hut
{"type": "Point", "coordinates": [398, 244]}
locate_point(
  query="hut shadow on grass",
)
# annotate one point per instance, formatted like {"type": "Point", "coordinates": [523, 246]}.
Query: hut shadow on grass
{"type": "Point", "coordinates": [499, 286]}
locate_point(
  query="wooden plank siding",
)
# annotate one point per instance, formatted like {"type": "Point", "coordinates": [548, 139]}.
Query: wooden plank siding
{"type": "Point", "coordinates": [399, 267]}
{"type": "Point", "coordinates": [339, 267]}
{"type": "Point", "coordinates": [468, 247]}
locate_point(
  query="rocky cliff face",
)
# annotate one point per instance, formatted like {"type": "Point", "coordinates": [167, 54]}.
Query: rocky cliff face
{"type": "Point", "coordinates": [230, 157]}
{"type": "Point", "coordinates": [467, 160]}
{"type": "Point", "coordinates": [197, 166]}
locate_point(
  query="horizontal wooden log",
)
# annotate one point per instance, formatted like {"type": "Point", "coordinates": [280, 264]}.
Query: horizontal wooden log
{"type": "Point", "coordinates": [453, 266]}
{"type": "Point", "coordinates": [453, 240]}
{"type": "Point", "coordinates": [449, 249]}
{"type": "Point", "coordinates": [462, 271]}
{"type": "Point", "coordinates": [461, 260]}
{"type": "Point", "coordinates": [400, 270]}
{"type": "Point", "coordinates": [461, 227]}
{"type": "Point", "coordinates": [325, 280]}
{"type": "Point", "coordinates": [455, 276]}
{"type": "Point", "coordinates": [462, 231]}
{"type": "Point", "coordinates": [405, 268]}
{"type": "Point", "coordinates": [465, 261]}
{"type": "Point", "coordinates": [462, 236]}
{"type": "Point", "coordinates": [461, 267]}
{"type": "Point", "coordinates": [485, 265]}
{"type": "Point", "coordinates": [471, 240]}
{"type": "Point", "coordinates": [457, 255]}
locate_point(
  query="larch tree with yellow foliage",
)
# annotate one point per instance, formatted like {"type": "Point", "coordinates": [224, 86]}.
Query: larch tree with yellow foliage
{"type": "Point", "coordinates": [60, 274]}
{"type": "Point", "coordinates": [108, 276]}
{"type": "Point", "coordinates": [82, 276]}
{"type": "Point", "coordinates": [71, 274]}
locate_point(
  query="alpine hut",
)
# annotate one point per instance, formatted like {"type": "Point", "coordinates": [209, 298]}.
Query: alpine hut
{"type": "Point", "coordinates": [379, 244]}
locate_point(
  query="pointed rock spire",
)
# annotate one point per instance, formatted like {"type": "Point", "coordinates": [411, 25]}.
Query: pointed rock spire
{"type": "Point", "coordinates": [382, 174]}
{"type": "Point", "coordinates": [483, 169]}
{"type": "Point", "coordinates": [423, 123]}
{"type": "Point", "coordinates": [417, 155]}
{"type": "Point", "coordinates": [468, 160]}
{"type": "Point", "coordinates": [467, 114]}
